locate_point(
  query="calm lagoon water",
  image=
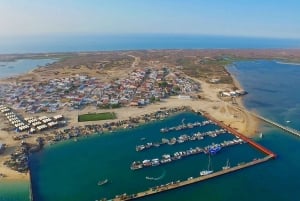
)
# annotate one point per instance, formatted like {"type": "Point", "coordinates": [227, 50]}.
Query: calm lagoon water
{"type": "Point", "coordinates": [21, 66]}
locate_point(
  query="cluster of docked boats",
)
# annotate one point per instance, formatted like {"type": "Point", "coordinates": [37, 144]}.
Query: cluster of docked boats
{"type": "Point", "coordinates": [166, 158]}
{"type": "Point", "coordinates": [181, 139]}
{"type": "Point", "coordinates": [186, 126]}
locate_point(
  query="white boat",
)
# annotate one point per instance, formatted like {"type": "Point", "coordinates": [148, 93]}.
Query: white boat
{"type": "Point", "coordinates": [208, 171]}
{"type": "Point", "coordinates": [227, 166]}
{"type": "Point", "coordinates": [261, 135]}
{"type": "Point", "coordinates": [100, 183]}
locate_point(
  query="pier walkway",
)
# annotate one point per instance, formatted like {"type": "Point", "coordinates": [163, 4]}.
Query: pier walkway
{"type": "Point", "coordinates": [285, 128]}
{"type": "Point", "coordinates": [178, 184]}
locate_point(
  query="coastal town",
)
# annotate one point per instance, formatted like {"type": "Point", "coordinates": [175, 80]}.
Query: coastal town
{"type": "Point", "coordinates": [139, 88]}
{"type": "Point", "coordinates": [35, 113]}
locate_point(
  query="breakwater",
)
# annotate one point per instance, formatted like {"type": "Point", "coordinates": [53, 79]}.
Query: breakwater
{"type": "Point", "coordinates": [273, 123]}
{"type": "Point", "coordinates": [189, 181]}
{"type": "Point", "coordinates": [236, 133]}
{"type": "Point", "coordinates": [30, 187]}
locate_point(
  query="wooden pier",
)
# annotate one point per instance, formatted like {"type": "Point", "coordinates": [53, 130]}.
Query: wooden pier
{"type": "Point", "coordinates": [189, 181]}
{"type": "Point", "coordinates": [285, 128]}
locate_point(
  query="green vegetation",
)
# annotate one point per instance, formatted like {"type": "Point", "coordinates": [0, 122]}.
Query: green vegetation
{"type": "Point", "coordinates": [110, 106]}
{"type": "Point", "coordinates": [207, 68]}
{"type": "Point", "coordinates": [96, 116]}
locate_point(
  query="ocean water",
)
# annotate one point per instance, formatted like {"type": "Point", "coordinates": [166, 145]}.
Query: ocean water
{"type": "Point", "coordinates": [21, 66]}
{"type": "Point", "coordinates": [78, 43]}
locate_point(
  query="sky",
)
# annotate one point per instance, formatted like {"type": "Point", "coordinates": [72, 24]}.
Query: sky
{"type": "Point", "coordinates": [249, 18]}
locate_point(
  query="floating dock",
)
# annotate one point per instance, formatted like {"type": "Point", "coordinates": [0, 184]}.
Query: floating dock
{"type": "Point", "coordinates": [181, 139]}
{"type": "Point", "coordinates": [184, 126]}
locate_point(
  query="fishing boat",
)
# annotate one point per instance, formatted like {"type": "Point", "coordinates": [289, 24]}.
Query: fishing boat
{"type": "Point", "coordinates": [136, 165]}
{"type": "Point", "coordinates": [213, 149]}
{"type": "Point", "coordinates": [208, 171]}
{"type": "Point", "coordinates": [102, 182]}
{"type": "Point", "coordinates": [227, 166]}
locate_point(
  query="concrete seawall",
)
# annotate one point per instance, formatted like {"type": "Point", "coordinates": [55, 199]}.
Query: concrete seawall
{"type": "Point", "coordinates": [30, 187]}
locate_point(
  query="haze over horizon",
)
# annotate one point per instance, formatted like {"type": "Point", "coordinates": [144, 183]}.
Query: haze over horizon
{"type": "Point", "coordinates": [244, 18]}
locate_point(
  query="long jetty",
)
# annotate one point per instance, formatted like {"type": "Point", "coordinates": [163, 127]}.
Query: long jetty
{"type": "Point", "coordinates": [30, 187]}
{"type": "Point", "coordinates": [191, 180]}
{"type": "Point", "coordinates": [285, 128]}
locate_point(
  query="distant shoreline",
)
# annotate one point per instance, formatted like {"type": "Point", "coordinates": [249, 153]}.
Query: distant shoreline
{"type": "Point", "coordinates": [130, 42]}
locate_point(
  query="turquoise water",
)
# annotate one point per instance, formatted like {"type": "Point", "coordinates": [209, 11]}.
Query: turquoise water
{"type": "Point", "coordinates": [70, 171]}
{"type": "Point", "coordinates": [78, 43]}
{"type": "Point", "coordinates": [21, 66]}
{"type": "Point", "coordinates": [14, 191]}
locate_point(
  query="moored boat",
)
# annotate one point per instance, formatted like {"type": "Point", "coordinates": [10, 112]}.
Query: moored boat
{"type": "Point", "coordinates": [208, 171]}
{"type": "Point", "coordinates": [136, 165]}
{"type": "Point", "coordinates": [227, 166]}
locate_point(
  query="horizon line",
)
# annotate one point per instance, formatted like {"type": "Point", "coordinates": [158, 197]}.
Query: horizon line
{"type": "Point", "coordinates": [145, 34]}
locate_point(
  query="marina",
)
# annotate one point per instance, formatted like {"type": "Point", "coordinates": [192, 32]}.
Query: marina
{"type": "Point", "coordinates": [204, 174]}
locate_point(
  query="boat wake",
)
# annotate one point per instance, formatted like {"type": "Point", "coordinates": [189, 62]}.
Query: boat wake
{"type": "Point", "coordinates": [157, 178]}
